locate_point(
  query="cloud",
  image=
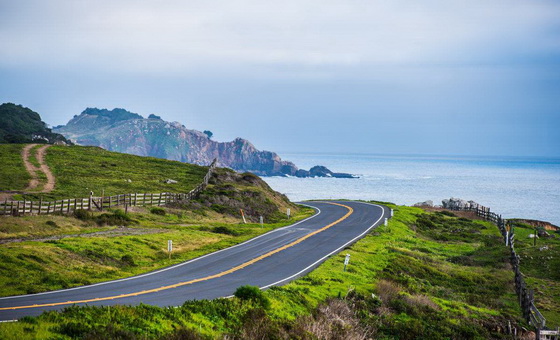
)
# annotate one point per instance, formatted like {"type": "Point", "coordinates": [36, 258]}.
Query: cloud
{"type": "Point", "coordinates": [178, 37]}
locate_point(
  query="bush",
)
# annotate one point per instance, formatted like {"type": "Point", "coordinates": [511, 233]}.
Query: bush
{"type": "Point", "coordinates": [52, 224]}
{"type": "Point", "coordinates": [224, 230]}
{"type": "Point", "coordinates": [128, 260]}
{"type": "Point", "coordinates": [157, 211]}
{"type": "Point", "coordinates": [118, 217]}
{"type": "Point", "coordinates": [254, 294]}
{"type": "Point", "coordinates": [387, 290]}
{"type": "Point", "coordinates": [82, 214]}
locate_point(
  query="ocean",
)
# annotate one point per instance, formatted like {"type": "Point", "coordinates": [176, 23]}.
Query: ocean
{"type": "Point", "coordinates": [514, 187]}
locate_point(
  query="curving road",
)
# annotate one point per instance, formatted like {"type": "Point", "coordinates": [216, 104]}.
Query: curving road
{"type": "Point", "coordinates": [274, 258]}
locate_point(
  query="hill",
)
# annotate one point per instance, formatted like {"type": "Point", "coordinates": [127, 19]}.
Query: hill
{"type": "Point", "coordinates": [19, 124]}
{"type": "Point", "coordinates": [127, 132]}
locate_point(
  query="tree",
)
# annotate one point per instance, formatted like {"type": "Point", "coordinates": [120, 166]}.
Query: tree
{"type": "Point", "coordinates": [208, 133]}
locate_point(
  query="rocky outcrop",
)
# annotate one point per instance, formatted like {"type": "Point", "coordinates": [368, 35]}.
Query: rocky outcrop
{"type": "Point", "coordinates": [321, 171]}
{"type": "Point", "coordinates": [458, 204]}
{"type": "Point", "coordinates": [428, 203]}
{"type": "Point", "coordinates": [123, 131]}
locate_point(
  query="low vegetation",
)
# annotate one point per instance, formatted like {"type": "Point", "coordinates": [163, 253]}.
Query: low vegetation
{"type": "Point", "coordinates": [424, 276]}
{"type": "Point", "coordinates": [14, 176]}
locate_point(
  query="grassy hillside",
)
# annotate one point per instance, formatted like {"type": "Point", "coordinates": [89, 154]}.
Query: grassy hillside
{"type": "Point", "coordinates": [424, 276]}
{"type": "Point", "coordinates": [13, 175]}
{"type": "Point", "coordinates": [79, 170]}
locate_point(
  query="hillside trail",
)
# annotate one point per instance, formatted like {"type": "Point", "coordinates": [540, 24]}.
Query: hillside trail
{"type": "Point", "coordinates": [33, 170]}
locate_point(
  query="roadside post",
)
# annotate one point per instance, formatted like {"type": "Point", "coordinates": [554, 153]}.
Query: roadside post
{"type": "Point", "coordinates": [261, 220]}
{"type": "Point", "coordinates": [507, 234]}
{"type": "Point", "coordinates": [535, 238]}
{"type": "Point", "coordinates": [346, 261]}
{"type": "Point", "coordinates": [169, 247]}
{"type": "Point", "coordinates": [243, 215]}
{"type": "Point", "coordinates": [288, 212]}
{"type": "Point", "coordinates": [386, 221]}
{"type": "Point", "coordinates": [392, 212]}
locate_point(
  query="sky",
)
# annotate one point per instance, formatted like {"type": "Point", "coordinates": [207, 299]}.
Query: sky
{"type": "Point", "coordinates": [473, 77]}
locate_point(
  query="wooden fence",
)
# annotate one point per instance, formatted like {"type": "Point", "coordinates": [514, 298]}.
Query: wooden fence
{"type": "Point", "coordinates": [526, 295]}
{"type": "Point", "coordinates": [66, 206]}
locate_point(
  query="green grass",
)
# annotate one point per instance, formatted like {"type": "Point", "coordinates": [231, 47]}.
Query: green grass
{"type": "Point", "coordinates": [433, 276]}
{"type": "Point", "coordinates": [79, 170]}
{"type": "Point", "coordinates": [32, 156]}
{"type": "Point", "coordinates": [14, 176]}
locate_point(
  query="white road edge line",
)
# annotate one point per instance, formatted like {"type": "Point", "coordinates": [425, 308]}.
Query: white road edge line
{"type": "Point", "coordinates": [171, 267]}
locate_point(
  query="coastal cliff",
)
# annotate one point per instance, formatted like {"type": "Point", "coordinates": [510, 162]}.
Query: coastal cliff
{"type": "Point", "coordinates": [123, 131]}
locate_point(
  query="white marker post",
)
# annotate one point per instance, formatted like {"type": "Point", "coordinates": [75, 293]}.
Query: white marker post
{"type": "Point", "coordinates": [243, 215]}
{"type": "Point", "coordinates": [386, 221]}
{"type": "Point", "coordinates": [261, 220]}
{"type": "Point", "coordinates": [288, 212]}
{"type": "Point", "coordinates": [392, 212]}
{"type": "Point", "coordinates": [169, 247]}
{"type": "Point", "coordinates": [346, 261]}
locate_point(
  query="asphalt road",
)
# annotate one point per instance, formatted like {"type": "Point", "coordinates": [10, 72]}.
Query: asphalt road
{"type": "Point", "coordinates": [274, 258]}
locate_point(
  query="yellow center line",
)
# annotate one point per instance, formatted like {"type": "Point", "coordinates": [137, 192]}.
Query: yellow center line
{"type": "Point", "coordinates": [229, 271]}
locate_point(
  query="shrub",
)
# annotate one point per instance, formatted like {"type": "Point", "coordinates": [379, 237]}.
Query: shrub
{"type": "Point", "coordinates": [118, 217]}
{"type": "Point", "coordinates": [254, 294]}
{"type": "Point", "coordinates": [82, 214]}
{"type": "Point", "coordinates": [157, 211]}
{"type": "Point", "coordinates": [52, 224]}
{"type": "Point", "coordinates": [128, 260]}
{"type": "Point", "coordinates": [387, 291]}
{"type": "Point", "coordinates": [224, 230]}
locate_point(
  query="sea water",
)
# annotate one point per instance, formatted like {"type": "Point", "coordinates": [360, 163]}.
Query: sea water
{"type": "Point", "coordinates": [514, 187]}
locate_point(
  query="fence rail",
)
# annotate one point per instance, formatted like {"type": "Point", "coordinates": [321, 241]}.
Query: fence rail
{"type": "Point", "coordinates": [526, 296]}
{"type": "Point", "coordinates": [66, 206]}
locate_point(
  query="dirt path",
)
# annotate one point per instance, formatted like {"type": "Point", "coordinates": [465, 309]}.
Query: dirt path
{"type": "Point", "coordinates": [32, 169]}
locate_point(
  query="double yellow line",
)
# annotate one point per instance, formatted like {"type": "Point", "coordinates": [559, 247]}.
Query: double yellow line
{"type": "Point", "coordinates": [226, 272]}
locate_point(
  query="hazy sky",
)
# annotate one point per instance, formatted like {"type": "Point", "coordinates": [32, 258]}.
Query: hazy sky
{"type": "Point", "coordinates": [467, 77]}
